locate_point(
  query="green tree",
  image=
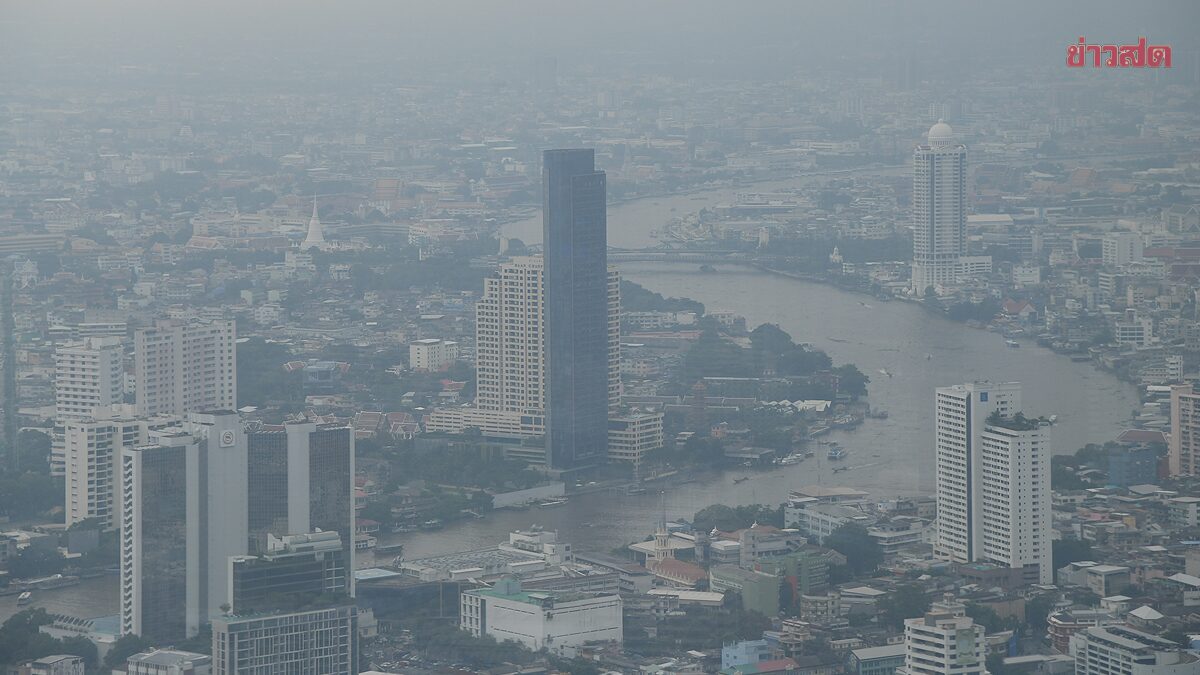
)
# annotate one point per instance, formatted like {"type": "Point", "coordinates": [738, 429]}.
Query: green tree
{"type": "Point", "coordinates": [908, 601]}
{"type": "Point", "coordinates": [1037, 609]}
{"type": "Point", "coordinates": [863, 553]}
{"type": "Point", "coordinates": [125, 647]}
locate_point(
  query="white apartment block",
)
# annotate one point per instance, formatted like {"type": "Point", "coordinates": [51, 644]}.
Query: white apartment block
{"type": "Point", "coordinates": [1183, 444]}
{"type": "Point", "coordinates": [185, 367]}
{"type": "Point", "coordinates": [961, 411]}
{"type": "Point", "coordinates": [510, 361]}
{"type": "Point", "coordinates": [92, 452]}
{"type": "Point", "coordinates": [1121, 248]}
{"type": "Point", "coordinates": [1013, 512]}
{"type": "Point", "coordinates": [631, 436]}
{"type": "Point", "coordinates": [87, 375]}
{"type": "Point", "coordinates": [557, 622]}
{"type": "Point", "coordinates": [944, 642]}
{"type": "Point", "coordinates": [432, 354]}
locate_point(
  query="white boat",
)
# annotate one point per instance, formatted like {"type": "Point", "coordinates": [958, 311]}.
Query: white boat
{"type": "Point", "coordinates": [553, 502]}
{"type": "Point", "coordinates": [364, 542]}
{"type": "Point", "coordinates": [24, 598]}
{"type": "Point", "coordinates": [791, 459]}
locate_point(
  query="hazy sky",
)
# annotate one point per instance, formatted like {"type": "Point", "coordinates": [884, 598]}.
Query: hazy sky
{"type": "Point", "coordinates": [48, 39]}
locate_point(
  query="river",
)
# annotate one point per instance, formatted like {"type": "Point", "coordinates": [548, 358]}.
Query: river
{"type": "Point", "coordinates": [888, 457]}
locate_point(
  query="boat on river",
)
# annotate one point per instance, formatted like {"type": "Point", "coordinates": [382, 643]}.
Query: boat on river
{"type": "Point", "coordinates": [836, 453]}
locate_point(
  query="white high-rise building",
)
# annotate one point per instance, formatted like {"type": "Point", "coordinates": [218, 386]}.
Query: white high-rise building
{"type": "Point", "coordinates": [92, 451]}
{"type": "Point", "coordinates": [1014, 501]}
{"type": "Point", "coordinates": [186, 366]}
{"type": "Point", "coordinates": [510, 355]}
{"type": "Point", "coordinates": [960, 414]}
{"type": "Point", "coordinates": [944, 642]}
{"type": "Point", "coordinates": [510, 337]}
{"type": "Point", "coordinates": [87, 375]}
{"type": "Point", "coordinates": [992, 480]}
{"type": "Point", "coordinates": [939, 209]}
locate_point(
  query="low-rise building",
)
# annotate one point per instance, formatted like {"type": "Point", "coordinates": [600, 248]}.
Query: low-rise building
{"type": "Point", "coordinates": [169, 662]}
{"type": "Point", "coordinates": [559, 623]}
{"type": "Point", "coordinates": [1118, 650]}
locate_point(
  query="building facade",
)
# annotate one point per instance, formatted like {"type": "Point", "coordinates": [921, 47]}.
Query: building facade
{"type": "Point", "coordinates": [314, 641]}
{"type": "Point", "coordinates": [1014, 498]}
{"type": "Point", "coordinates": [87, 375]}
{"type": "Point", "coordinates": [939, 209]}
{"type": "Point", "coordinates": [579, 347]}
{"type": "Point", "coordinates": [559, 623]}
{"type": "Point", "coordinates": [1183, 445]}
{"type": "Point", "coordinates": [510, 346]}
{"type": "Point", "coordinates": [182, 367]}
{"type": "Point", "coordinates": [960, 414]}
{"type": "Point", "coordinates": [92, 455]}
{"type": "Point", "coordinates": [1120, 650]}
{"type": "Point", "coordinates": [944, 642]}
{"type": "Point", "coordinates": [432, 354]}
{"type": "Point", "coordinates": [633, 435]}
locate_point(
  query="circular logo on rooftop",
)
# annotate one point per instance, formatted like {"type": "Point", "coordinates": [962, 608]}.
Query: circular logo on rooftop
{"type": "Point", "coordinates": [227, 438]}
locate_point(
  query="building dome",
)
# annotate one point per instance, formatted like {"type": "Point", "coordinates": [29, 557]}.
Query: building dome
{"type": "Point", "coordinates": [941, 133]}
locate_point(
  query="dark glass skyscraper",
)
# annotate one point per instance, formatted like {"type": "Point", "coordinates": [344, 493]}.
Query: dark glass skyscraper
{"type": "Point", "coordinates": [575, 243]}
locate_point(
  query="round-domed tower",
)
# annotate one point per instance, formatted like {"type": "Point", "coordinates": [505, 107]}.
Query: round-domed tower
{"type": "Point", "coordinates": [941, 134]}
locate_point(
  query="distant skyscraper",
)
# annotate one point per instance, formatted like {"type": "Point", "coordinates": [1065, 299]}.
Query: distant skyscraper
{"type": "Point", "coordinates": [510, 352]}
{"type": "Point", "coordinates": [182, 367]}
{"type": "Point", "coordinates": [993, 480]}
{"type": "Point", "coordinates": [575, 241]}
{"type": "Point", "coordinates": [315, 237]}
{"type": "Point", "coordinates": [939, 207]}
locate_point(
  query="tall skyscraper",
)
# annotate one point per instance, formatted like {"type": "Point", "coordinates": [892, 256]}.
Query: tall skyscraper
{"type": "Point", "coordinates": [944, 642]}
{"type": "Point", "coordinates": [196, 497]}
{"type": "Point", "coordinates": [1014, 500]}
{"type": "Point", "coordinates": [182, 367]}
{"type": "Point", "coordinates": [960, 415]}
{"type": "Point", "coordinates": [575, 242]}
{"type": "Point", "coordinates": [993, 480]}
{"type": "Point", "coordinates": [1183, 447]}
{"type": "Point", "coordinates": [301, 477]}
{"type": "Point", "coordinates": [87, 375]}
{"type": "Point", "coordinates": [939, 208]}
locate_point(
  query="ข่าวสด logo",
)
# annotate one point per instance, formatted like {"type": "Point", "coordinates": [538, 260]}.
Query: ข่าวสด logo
{"type": "Point", "coordinates": [1138, 55]}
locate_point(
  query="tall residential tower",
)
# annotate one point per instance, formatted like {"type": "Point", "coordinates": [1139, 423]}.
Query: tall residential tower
{"type": "Point", "coordinates": [993, 480]}
{"type": "Point", "coordinates": [939, 209]}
